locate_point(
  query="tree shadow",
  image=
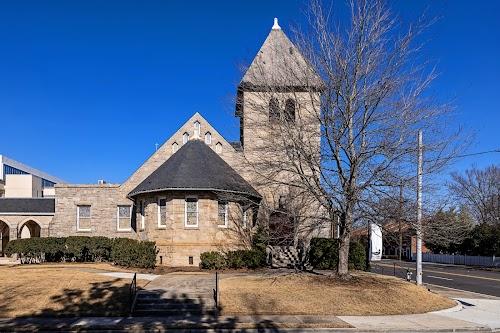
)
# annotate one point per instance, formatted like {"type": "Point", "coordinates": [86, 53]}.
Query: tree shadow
{"type": "Point", "coordinates": [105, 306]}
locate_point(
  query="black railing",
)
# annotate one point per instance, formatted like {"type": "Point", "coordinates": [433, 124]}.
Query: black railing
{"type": "Point", "coordinates": [216, 291]}
{"type": "Point", "coordinates": [132, 291]}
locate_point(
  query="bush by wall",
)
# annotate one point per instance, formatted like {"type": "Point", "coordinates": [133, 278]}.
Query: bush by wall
{"type": "Point", "coordinates": [121, 251]}
{"type": "Point", "coordinates": [212, 260]}
{"type": "Point", "coordinates": [132, 253]}
{"type": "Point", "coordinates": [324, 254]}
{"type": "Point", "coordinates": [233, 259]}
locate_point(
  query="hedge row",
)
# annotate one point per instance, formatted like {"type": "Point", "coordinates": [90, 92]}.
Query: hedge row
{"type": "Point", "coordinates": [324, 254]}
{"type": "Point", "coordinates": [121, 251]}
{"type": "Point", "coordinates": [233, 259]}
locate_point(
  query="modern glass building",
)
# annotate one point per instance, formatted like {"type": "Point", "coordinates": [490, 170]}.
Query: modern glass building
{"type": "Point", "coordinates": [20, 180]}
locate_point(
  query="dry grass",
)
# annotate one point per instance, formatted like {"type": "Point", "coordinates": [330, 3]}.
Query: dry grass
{"type": "Point", "coordinates": [307, 294]}
{"type": "Point", "coordinates": [62, 290]}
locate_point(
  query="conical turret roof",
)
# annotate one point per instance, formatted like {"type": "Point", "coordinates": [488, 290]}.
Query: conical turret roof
{"type": "Point", "coordinates": [195, 167]}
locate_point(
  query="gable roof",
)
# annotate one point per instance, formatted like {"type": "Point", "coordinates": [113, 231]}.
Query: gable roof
{"type": "Point", "coordinates": [27, 205]}
{"type": "Point", "coordinates": [279, 63]}
{"type": "Point", "coordinates": [165, 149]}
{"type": "Point", "coordinates": [195, 166]}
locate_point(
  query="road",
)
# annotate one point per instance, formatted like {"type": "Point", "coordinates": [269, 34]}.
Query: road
{"type": "Point", "coordinates": [451, 276]}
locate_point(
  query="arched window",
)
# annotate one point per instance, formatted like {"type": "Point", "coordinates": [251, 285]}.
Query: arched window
{"type": "Point", "coordinates": [208, 138]}
{"type": "Point", "coordinates": [218, 148]}
{"type": "Point", "coordinates": [274, 110]}
{"type": "Point", "coordinates": [290, 110]}
{"type": "Point", "coordinates": [185, 137]}
{"type": "Point", "coordinates": [174, 147]}
{"type": "Point", "coordinates": [197, 129]}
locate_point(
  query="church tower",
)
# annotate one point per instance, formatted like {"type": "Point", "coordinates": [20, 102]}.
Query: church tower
{"type": "Point", "coordinates": [278, 97]}
{"type": "Point", "coordinates": [280, 82]}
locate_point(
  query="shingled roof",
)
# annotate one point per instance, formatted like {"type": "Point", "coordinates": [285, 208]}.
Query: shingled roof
{"type": "Point", "coordinates": [195, 166]}
{"type": "Point", "coordinates": [279, 63]}
{"type": "Point", "coordinates": [27, 205]}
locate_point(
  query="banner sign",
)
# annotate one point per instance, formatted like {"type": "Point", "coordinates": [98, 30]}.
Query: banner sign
{"type": "Point", "coordinates": [375, 242]}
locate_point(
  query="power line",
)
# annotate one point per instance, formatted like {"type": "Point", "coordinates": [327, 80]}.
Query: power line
{"type": "Point", "coordinates": [465, 155]}
{"type": "Point", "coordinates": [479, 153]}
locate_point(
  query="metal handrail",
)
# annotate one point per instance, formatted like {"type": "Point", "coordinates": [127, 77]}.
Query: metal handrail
{"type": "Point", "coordinates": [216, 291]}
{"type": "Point", "coordinates": [132, 291]}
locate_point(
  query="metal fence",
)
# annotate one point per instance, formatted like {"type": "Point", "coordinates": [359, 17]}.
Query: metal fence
{"type": "Point", "coordinates": [456, 259]}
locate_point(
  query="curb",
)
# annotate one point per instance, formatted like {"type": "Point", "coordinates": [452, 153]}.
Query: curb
{"type": "Point", "coordinates": [458, 307]}
{"type": "Point", "coordinates": [485, 296]}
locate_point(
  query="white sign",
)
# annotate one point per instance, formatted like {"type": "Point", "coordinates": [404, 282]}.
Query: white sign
{"type": "Point", "coordinates": [375, 242]}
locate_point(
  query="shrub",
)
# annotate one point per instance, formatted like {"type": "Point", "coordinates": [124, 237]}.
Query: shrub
{"type": "Point", "coordinates": [133, 253]}
{"type": "Point", "coordinates": [357, 256]}
{"type": "Point", "coordinates": [31, 250]}
{"type": "Point", "coordinates": [212, 260]}
{"type": "Point", "coordinates": [324, 254]}
{"type": "Point", "coordinates": [122, 251]}
{"type": "Point", "coordinates": [254, 258]}
{"type": "Point", "coordinates": [233, 259]}
{"type": "Point", "coordinates": [260, 239]}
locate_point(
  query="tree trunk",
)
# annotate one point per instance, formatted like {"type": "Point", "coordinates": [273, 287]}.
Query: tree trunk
{"type": "Point", "coordinates": [344, 240]}
{"type": "Point", "coordinates": [343, 265]}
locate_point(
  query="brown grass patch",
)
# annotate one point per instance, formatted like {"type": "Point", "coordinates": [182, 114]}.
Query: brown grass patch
{"type": "Point", "coordinates": [307, 294]}
{"type": "Point", "coordinates": [61, 290]}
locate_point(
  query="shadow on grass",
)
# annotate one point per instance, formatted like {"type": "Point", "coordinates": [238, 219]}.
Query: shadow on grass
{"type": "Point", "coordinates": [156, 310]}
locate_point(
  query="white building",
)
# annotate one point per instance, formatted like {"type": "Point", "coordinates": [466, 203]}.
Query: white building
{"type": "Point", "coordinates": [18, 180]}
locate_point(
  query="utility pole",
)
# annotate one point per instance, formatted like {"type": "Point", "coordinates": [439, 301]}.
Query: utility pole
{"type": "Point", "coordinates": [400, 220]}
{"type": "Point", "coordinates": [419, 209]}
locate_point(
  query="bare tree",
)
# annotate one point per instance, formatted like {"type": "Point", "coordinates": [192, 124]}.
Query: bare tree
{"type": "Point", "coordinates": [447, 228]}
{"type": "Point", "coordinates": [346, 135]}
{"type": "Point", "coordinates": [479, 190]}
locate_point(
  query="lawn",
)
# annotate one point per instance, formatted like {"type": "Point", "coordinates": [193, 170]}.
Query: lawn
{"type": "Point", "coordinates": [308, 294]}
{"type": "Point", "coordinates": [62, 290]}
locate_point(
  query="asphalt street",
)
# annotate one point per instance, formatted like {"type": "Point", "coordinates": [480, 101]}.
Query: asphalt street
{"type": "Point", "coordinates": [452, 276]}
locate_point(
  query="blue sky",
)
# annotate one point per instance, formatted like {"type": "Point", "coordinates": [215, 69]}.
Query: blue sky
{"type": "Point", "coordinates": [88, 87]}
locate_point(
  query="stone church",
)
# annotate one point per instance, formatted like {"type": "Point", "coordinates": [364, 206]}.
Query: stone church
{"type": "Point", "coordinates": [196, 193]}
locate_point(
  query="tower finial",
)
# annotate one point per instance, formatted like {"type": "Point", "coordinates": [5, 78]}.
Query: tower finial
{"type": "Point", "coordinates": [276, 26]}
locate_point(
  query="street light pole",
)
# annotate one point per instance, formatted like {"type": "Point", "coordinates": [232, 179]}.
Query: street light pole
{"type": "Point", "coordinates": [419, 209]}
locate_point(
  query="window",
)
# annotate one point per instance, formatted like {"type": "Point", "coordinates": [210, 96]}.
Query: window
{"type": "Point", "coordinates": [197, 129]}
{"type": "Point", "coordinates": [218, 148]}
{"type": "Point", "coordinates": [142, 214]}
{"type": "Point", "coordinates": [175, 146]}
{"type": "Point", "coordinates": [290, 110]}
{"type": "Point", "coordinates": [83, 218]}
{"type": "Point", "coordinates": [191, 213]}
{"type": "Point", "coordinates": [274, 110]}
{"type": "Point", "coordinates": [245, 217]}
{"type": "Point", "coordinates": [47, 183]}
{"type": "Point", "coordinates": [222, 214]}
{"type": "Point", "coordinates": [162, 212]}
{"type": "Point", "coordinates": [208, 138]}
{"type": "Point", "coordinates": [123, 218]}
{"type": "Point", "coordinates": [185, 137]}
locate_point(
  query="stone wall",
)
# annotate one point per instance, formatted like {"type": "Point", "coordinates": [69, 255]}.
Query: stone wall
{"type": "Point", "coordinates": [176, 241]}
{"type": "Point", "coordinates": [104, 201]}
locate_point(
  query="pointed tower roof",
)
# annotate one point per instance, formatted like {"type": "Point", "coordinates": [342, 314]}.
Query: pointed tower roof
{"type": "Point", "coordinates": [279, 63]}
{"type": "Point", "coordinates": [196, 167]}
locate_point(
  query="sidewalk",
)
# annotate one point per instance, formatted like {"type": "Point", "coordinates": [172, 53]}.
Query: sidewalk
{"type": "Point", "coordinates": [466, 319]}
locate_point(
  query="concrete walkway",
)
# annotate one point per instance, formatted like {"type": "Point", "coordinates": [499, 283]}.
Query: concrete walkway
{"type": "Point", "coordinates": [190, 294]}
{"type": "Point", "coordinates": [125, 275]}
